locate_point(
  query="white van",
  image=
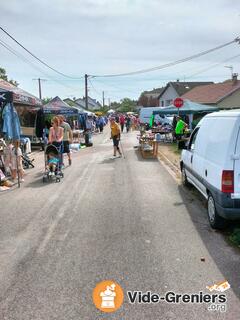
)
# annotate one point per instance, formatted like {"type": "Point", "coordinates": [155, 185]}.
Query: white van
{"type": "Point", "coordinates": [211, 162]}
{"type": "Point", "coordinates": [146, 114]}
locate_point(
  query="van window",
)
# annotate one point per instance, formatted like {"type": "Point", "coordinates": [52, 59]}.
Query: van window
{"type": "Point", "coordinates": [193, 139]}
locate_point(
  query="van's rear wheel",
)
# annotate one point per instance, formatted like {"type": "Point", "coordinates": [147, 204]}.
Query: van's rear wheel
{"type": "Point", "coordinates": [184, 177]}
{"type": "Point", "coordinates": [215, 220]}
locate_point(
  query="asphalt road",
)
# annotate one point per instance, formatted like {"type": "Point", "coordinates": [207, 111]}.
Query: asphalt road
{"type": "Point", "coordinates": [127, 220]}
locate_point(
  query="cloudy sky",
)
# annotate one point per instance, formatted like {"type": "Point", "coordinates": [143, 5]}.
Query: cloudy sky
{"type": "Point", "coordinates": [100, 37]}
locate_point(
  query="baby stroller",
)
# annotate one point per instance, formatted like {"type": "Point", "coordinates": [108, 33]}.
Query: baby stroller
{"type": "Point", "coordinates": [53, 163]}
{"type": "Point", "coordinates": [26, 161]}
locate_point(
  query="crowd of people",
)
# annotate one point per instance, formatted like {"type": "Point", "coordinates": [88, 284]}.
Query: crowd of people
{"type": "Point", "coordinates": [58, 132]}
{"type": "Point", "coordinates": [130, 122]}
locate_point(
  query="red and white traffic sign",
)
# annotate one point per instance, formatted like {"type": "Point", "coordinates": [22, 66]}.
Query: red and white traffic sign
{"type": "Point", "coordinates": [178, 102]}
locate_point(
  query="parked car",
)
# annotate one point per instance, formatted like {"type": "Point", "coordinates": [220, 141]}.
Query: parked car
{"type": "Point", "coordinates": [211, 162]}
{"type": "Point", "coordinates": [146, 114]}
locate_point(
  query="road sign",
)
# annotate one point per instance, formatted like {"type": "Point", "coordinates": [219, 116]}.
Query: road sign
{"type": "Point", "coordinates": [178, 102]}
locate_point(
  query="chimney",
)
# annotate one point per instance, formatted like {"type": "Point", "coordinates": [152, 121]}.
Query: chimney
{"type": "Point", "coordinates": [234, 78]}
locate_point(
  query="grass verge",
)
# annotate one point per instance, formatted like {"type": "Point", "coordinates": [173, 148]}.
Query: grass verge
{"type": "Point", "coordinates": [234, 236]}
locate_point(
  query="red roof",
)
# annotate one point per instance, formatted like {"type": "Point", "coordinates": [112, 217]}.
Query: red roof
{"type": "Point", "coordinates": [212, 93]}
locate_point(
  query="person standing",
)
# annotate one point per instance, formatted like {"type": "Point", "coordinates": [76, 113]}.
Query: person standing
{"type": "Point", "coordinates": [122, 122]}
{"type": "Point", "coordinates": [128, 123]}
{"type": "Point", "coordinates": [115, 136]}
{"type": "Point", "coordinates": [67, 137]}
{"type": "Point", "coordinates": [101, 124]}
{"type": "Point", "coordinates": [88, 131]}
{"type": "Point", "coordinates": [180, 127]}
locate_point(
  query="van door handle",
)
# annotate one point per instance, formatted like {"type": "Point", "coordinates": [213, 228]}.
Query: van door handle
{"type": "Point", "coordinates": [206, 173]}
{"type": "Point", "coordinates": [191, 158]}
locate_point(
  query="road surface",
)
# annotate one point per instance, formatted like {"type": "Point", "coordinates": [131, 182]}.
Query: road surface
{"type": "Point", "coordinates": [127, 220]}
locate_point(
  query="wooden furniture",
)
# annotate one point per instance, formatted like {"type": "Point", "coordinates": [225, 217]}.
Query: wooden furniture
{"type": "Point", "coordinates": [148, 147]}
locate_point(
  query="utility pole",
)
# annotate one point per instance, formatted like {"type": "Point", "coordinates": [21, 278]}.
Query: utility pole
{"type": "Point", "coordinates": [86, 91]}
{"type": "Point", "coordinates": [103, 99]}
{"type": "Point", "coordinates": [39, 86]}
{"type": "Point", "coordinates": [109, 102]}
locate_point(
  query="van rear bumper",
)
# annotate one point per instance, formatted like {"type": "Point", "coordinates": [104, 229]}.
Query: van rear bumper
{"type": "Point", "coordinates": [228, 213]}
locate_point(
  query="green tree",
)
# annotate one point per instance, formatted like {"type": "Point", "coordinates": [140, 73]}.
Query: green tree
{"type": "Point", "coordinates": [3, 75]}
{"type": "Point", "coordinates": [46, 100]}
{"type": "Point", "coordinates": [127, 105]}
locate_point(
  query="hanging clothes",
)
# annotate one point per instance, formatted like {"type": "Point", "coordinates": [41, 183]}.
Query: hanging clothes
{"type": "Point", "coordinates": [11, 124]}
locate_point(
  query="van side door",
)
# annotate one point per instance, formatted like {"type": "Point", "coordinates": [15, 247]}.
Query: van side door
{"type": "Point", "coordinates": [188, 157]}
{"type": "Point", "coordinates": [236, 158]}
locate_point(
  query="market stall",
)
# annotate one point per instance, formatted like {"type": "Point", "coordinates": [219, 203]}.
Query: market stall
{"type": "Point", "coordinates": [188, 109]}
{"type": "Point", "coordinates": [26, 106]}
{"type": "Point", "coordinates": [57, 106]}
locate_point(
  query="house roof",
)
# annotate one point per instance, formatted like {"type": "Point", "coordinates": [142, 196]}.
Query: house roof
{"type": "Point", "coordinates": [80, 102]}
{"type": "Point", "coordinates": [153, 93]}
{"type": "Point", "coordinates": [183, 87]}
{"type": "Point", "coordinates": [92, 103]}
{"type": "Point", "coordinates": [73, 103]}
{"type": "Point", "coordinates": [212, 93]}
{"type": "Point", "coordinates": [19, 95]}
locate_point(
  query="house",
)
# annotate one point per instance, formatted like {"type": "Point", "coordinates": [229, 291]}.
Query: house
{"type": "Point", "coordinates": [224, 95]}
{"type": "Point", "coordinates": [93, 104]}
{"type": "Point", "coordinates": [176, 89]}
{"type": "Point", "coordinates": [150, 98]}
{"type": "Point", "coordinates": [74, 104]}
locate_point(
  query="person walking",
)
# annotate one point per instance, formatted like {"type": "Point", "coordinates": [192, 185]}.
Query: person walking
{"type": "Point", "coordinates": [115, 136]}
{"type": "Point", "coordinates": [67, 137]}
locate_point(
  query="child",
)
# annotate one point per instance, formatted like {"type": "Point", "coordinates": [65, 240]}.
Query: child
{"type": "Point", "coordinates": [16, 161]}
{"type": "Point", "coordinates": [52, 163]}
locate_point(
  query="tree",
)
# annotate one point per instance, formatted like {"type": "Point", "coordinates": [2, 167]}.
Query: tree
{"type": "Point", "coordinates": [3, 75]}
{"type": "Point", "coordinates": [127, 105]}
{"type": "Point", "coordinates": [46, 100]}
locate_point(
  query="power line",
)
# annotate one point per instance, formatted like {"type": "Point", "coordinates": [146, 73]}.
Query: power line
{"type": "Point", "coordinates": [94, 87]}
{"type": "Point", "coordinates": [34, 56]}
{"type": "Point", "coordinates": [23, 58]}
{"type": "Point", "coordinates": [212, 66]}
{"type": "Point", "coordinates": [171, 63]}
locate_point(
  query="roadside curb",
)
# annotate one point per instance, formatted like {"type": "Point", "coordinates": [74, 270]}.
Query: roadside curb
{"type": "Point", "coordinates": [172, 166]}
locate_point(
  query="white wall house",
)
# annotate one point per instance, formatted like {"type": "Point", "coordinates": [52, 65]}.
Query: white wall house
{"type": "Point", "coordinates": [168, 96]}
{"type": "Point", "coordinates": [176, 89]}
